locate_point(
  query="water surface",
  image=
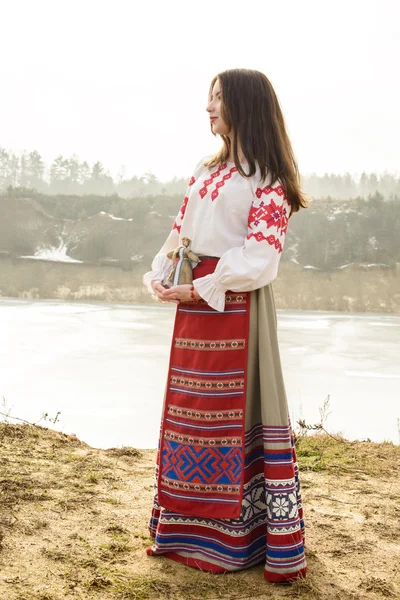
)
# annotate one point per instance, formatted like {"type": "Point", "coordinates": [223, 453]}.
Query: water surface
{"type": "Point", "coordinates": [104, 367]}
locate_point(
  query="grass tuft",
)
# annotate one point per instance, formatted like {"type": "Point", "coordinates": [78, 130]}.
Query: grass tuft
{"type": "Point", "coordinates": [124, 451]}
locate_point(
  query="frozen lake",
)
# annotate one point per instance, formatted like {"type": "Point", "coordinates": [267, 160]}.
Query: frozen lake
{"type": "Point", "coordinates": [104, 367]}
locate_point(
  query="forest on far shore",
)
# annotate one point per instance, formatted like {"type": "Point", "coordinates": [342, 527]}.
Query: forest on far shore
{"type": "Point", "coordinates": [73, 176]}
{"type": "Point", "coordinates": [327, 235]}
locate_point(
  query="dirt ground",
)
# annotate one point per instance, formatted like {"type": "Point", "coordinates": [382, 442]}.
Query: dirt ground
{"type": "Point", "coordinates": [73, 524]}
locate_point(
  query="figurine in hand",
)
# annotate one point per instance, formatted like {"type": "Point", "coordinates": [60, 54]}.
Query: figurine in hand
{"type": "Point", "coordinates": [183, 261]}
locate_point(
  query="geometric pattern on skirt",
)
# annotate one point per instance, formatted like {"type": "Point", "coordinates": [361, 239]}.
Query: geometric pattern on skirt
{"type": "Point", "coordinates": [201, 458]}
{"type": "Point", "coordinates": [269, 530]}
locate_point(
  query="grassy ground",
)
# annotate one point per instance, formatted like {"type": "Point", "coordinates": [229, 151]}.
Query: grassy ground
{"type": "Point", "coordinates": [73, 524]}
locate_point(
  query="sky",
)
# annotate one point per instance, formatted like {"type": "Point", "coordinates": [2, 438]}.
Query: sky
{"type": "Point", "coordinates": [126, 82]}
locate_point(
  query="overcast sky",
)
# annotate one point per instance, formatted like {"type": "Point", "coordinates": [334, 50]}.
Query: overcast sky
{"type": "Point", "coordinates": [126, 82]}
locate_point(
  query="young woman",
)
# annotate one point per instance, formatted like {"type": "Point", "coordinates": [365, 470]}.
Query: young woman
{"type": "Point", "coordinates": [227, 491]}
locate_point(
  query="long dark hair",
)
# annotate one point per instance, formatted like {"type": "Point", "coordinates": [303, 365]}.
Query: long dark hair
{"type": "Point", "coordinates": [251, 109]}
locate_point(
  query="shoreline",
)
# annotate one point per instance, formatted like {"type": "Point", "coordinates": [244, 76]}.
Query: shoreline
{"type": "Point", "coordinates": [354, 289]}
{"type": "Point", "coordinates": [156, 305]}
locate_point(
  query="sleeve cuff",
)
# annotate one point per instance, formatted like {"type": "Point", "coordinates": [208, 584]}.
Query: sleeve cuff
{"type": "Point", "coordinates": [160, 268]}
{"type": "Point", "coordinates": [210, 292]}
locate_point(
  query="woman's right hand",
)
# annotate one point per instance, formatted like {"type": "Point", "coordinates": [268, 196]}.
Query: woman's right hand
{"type": "Point", "coordinates": [158, 289]}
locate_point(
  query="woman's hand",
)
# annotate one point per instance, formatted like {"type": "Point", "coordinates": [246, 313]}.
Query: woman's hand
{"type": "Point", "coordinates": [158, 290]}
{"type": "Point", "coordinates": [180, 293]}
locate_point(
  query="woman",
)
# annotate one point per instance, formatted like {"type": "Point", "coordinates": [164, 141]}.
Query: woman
{"type": "Point", "coordinates": [227, 491]}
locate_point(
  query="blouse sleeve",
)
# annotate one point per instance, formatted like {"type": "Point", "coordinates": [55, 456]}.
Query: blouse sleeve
{"type": "Point", "coordinates": [255, 264]}
{"type": "Point", "coordinates": [161, 264]}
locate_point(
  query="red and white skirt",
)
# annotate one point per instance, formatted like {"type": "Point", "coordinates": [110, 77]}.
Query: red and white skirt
{"type": "Point", "coordinates": [227, 489]}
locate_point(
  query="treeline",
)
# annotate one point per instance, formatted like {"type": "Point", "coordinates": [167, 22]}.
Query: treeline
{"type": "Point", "coordinates": [75, 177]}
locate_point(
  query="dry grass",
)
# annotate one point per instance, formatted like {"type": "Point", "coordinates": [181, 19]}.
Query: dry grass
{"type": "Point", "coordinates": [338, 455]}
{"type": "Point", "coordinates": [73, 524]}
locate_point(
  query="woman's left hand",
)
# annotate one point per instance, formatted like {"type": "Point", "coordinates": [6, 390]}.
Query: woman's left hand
{"type": "Point", "coordinates": [181, 293]}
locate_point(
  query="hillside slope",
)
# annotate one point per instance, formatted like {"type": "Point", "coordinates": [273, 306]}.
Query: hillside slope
{"type": "Point", "coordinates": [26, 229]}
{"type": "Point", "coordinates": [328, 235]}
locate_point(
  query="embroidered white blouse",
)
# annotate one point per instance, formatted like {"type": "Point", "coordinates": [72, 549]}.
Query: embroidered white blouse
{"type": "Point", "coordinates": [241, 220]}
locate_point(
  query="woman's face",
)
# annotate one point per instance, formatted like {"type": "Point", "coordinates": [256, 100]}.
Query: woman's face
{"type": "Point", "coordinates": [214, 110]}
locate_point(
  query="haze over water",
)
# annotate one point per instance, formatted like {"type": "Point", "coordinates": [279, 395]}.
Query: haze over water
{"type": "Point", "coordinates": [104, 367]}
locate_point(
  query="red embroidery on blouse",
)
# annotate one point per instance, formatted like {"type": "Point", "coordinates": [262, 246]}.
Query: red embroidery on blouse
{"type": "Point", "coordinates": [271, 239]}
{"type": "Point", "coordinates": [181, 214]}
{"type": "Point", "coordinates": [192, 180]}
{"type": "Point", "coordinates": [268, 189]}
{"type": "Point", "coordinates": [266, 215]}
{"type": "Point", "coordinates": [270, 213]}
{"type": "Point", "coordinates": [285, 221]}
{"type": "Point", "coordinates": [219, 184]}
{"type": "Point", "coordinates": [207, 182]}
